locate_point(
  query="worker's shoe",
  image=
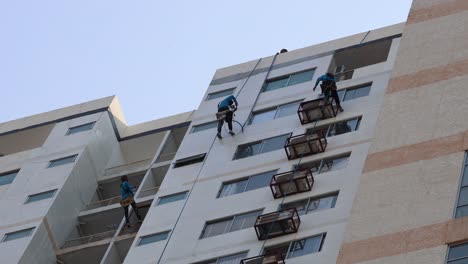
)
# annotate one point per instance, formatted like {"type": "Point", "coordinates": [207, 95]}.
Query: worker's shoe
{"type": "Point", "coordinates": [231, 133]}
{"type": "Point", "coordinates": [219, 135]}
{"type": "Point", "coordinates": [340, 108]}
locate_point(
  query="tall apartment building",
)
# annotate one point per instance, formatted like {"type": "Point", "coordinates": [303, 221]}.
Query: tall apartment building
{"type": "Point", "coordinates": [381, 182]}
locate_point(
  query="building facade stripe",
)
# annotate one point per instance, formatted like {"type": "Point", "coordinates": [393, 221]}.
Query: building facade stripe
{"type": "Point", "coordinates": [436, 11]}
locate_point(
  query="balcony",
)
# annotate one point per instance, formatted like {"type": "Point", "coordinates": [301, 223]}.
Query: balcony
{"type": "Point", "coordinates": [135, 225]}
{"type": "Point", "coordinates": [291, 182]}
{"type": "Point", "coordinates": [306, 144]}
{"type": "Point", "coordinates": [152, 181]}
{"type": "Point", "coordinates": [342, 76]}
{"type": "Point", "coordinates": [277, 224]}
{"type": "Point", "coordinates": [315, 110]}
{"type": "Point", "coordinates": [276, 258]}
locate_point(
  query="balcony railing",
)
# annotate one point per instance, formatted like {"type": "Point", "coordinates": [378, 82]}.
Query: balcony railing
{"type": "Point", "coordinates": [346, 75]}
{"type": "Point", "coordinates": [291, 182]}
{"type": "Point", "coordinates": [166, 157]}
{"type": "Point", "coordinates": [277, 224]}
{"type": "Point", "coordinates": [276, 258]}
{"type": "Point", "coordinates": [88, 239]}
{"type": "Point", "coordinates": [305, 144]}
{"type": "Point", "coordinates": [318, 109]}
{"type": "Point", "coordinates": [103, 203]}
{"type": "Point", "coordinates": [148, 192]}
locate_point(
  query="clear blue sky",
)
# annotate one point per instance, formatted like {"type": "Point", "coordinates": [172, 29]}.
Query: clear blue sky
{"type": "Point", "coordinates": [158, 57]}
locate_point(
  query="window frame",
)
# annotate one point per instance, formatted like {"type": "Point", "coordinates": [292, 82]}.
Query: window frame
{"type": "Point", "coordinates": [270, 109]}
{"type": "Point", "coordinates": [355, 87]}
{"type": "Point", "coordinates": [447, 260]}
{"type": "Point", "coordinates": [461, 186]}
{"type": "Point", "coordinates": [323, 161]}
{"type": "Point", "coordinates": [328, 127]}
{"type": "Point", "coordinates": [5, 236]}
{"type": "Point", "coordinates": [169, 195]}
{"type": "Point", "coordinates": [210, 97]}
{"type": "Point", "coordinates": [247, 178]}
{"type": "Point", "coordinates": [189, 160]}
{"type": "Point", "coordinates": [288, 76]}
{"type": "Point", "coordinates": [69, 131]}
{"type": "Point", "coordinates": [217, 259]}
{"type": "Point", "coordinates": [202, 124]}
{"type": "Point", "coordinates": [6, 173]}
{"type": "Point", "coordinates": [167, 232]}
{"type": "Point", "coordinates": [290, 244]}
{"type": "Point", "coordinates": [49, 165]}
{"type": "Point", "coordinates": [228, 227]}
{"type": "Point", "coordinates": [314, 198]}
{"type": "Point", "coordinates": [53, 191]}
{"type": "Point", "coordinates": [262, 143]}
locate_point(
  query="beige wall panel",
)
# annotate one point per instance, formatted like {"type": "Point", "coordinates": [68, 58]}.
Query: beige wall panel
{"type": "Point", "coordinates": [435, 255]}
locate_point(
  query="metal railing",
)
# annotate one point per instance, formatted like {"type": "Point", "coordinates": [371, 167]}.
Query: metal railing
{"type": "Point", "coordinates": [127, 166]}
{"type": "Point", "coordinates": [103, 203]}
{"type": "Point", "coordinates": [88, 239]}
{"type": "Point", "coordinates": [166, 157]}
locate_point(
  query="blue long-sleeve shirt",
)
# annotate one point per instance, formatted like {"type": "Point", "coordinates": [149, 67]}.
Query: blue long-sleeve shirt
{"type": "Point", "coordinates": [324, 78]}
{"type": "Point", "coordinates": [227, 102]}
{"type": "Point", "coordinates": [126, 190]}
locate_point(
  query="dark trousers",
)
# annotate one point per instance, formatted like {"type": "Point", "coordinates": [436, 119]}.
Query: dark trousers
{"type": "Point", "coordinates": [228, 119]}
{"type": "Point", "coordinates": [331, 92]}
{"type": "Point", "coordinates": [134, 209]}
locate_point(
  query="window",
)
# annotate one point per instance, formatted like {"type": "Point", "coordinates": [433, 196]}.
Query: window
{"type": "Point", "coordinates": [219, 94]}
{"type": "Point", "coordinates": [458, 254]}
{"type": "Point", "coordinates": [8, 177]}
{"type": "Point", "coordinates": [40, 196]}
{"type": "Point", "coordinates": [341, 127]}
{"type": "Point", "coordinates": [259, 147]}
{"type": "Point", "coordinates": [205, 126]}
{"type": "Point", "coordinates": [232, 259]}
{"type": "Point", "coordinates": [299, 247]}
{"type": "Point", "coordinates": [326, 164]}
{"type": "Point", "coordinates": [18, 234]}
{"type": "Point", "coordinates": [288, 80]}
{"type": "Point", "coordinates": [153, 238]}
{"type": "Point", "coordinates": [277, 112]}
{"type": "Point", "coordinates": [172, 198]}
{"type": "Point", "coordinates": [462, 204]}
{"type": "Point", "coordinates": [246, 184]}
{"type": "Point", "coordinates": [189, 160]}
{"type": "Point", "coordinates": [230, 224]}
{"type": "Point", "coordinates": [80, 128]}
{"type": "Point", "coordinates": [62, 161]}
{"type": "Point", "coordinates": [313, 204]}
{"type": "Point", "coordinates": [354, 92]}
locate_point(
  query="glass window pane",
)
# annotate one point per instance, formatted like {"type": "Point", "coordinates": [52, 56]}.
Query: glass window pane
{"type": "Point", "coordinates": [341, 93]}
{"type": "Point", "coordinates": [460, 261]}
{"type": "Point", "coordinates": [62, 161]}
{"type": "Point", "coordinates": [335, 164]}
{"type": "Point", "coordinates": [344, 127]}
{"type": "Point", "coordinates": [244, 221]}
{"type": "Point", "coordinates": [287, 109]}
{"type": "Point", "coordinates": [458, 251]}
{"type": "Point", "coordinates": [8, 177]}
{"type": "Point", "coordinates": [462, 211]}
{"type": "Point", "coordinates": [247, 150]}
{"type": "Point", "coordinates": [301, 77]}
{"type": "Point", "coordinates": [465, 177]}
{"type": "Point", "coordinates": [205, 126]}
{"type": "Point", "coordinates": [80, 128]}
{"type": "Point", "coordinates": [463, 199]}
{"type": "Point", "coordinates": [233, 188]}
{"type": "Point", "coordinates": [299, 205]}
{"type": "Point", "coordinates": [313, 166]}
{"type": "Point", "coordinates": [356, 93]}
{"type": "Point", "coordinates": [235, 259]}
{"type": "Point", "coordinates": [172, 198]}
{"type": "Point", "coordinates": [18, 234]}
{"type": "Point", "coordinates": [40, 196]}
{"type": "Point", "coordinates": [214, 229]}
{"type": "Point", "coordinates": [262, 116]}
{"type": "Point", "coordinates": [153, 238]}
{"type": "Point", "coordinates": [260, 180]}
{"type": "Point", "coordinates": [220, 94]}
{"type": "Point", "coordinates": [322, 203]}
{"type": "Point", "coordinates": [276, 84]}
{"type": "Point", "coordinates": [275, 143]}
{"type": "Point", "coordinates": [305, 246]}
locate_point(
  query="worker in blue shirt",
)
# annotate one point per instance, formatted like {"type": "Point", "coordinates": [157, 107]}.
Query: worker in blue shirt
{"type": "Point", "coordinates": [328, 86]}
{"type": "Point", "coordinates": [226, 109]}
{"type": "Point", "coordinates": [126, 193]}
